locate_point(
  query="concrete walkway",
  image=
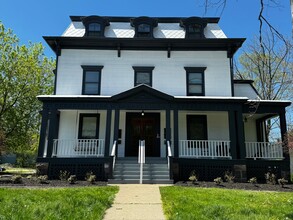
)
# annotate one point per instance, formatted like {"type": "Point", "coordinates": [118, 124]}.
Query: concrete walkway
{"type": "Point", "coordinates": [134, 201]}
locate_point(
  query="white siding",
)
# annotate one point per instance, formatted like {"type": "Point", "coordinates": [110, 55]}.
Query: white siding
{"type": "Point", "coordinates": [217, 124]}
{"type": "Point", "coordinates": [125, 30]}
{"type": "Point", "coordinates": [244, 90]}
{"type": "Point", "coordinates": [169, 75]}
{"type": "Point", "coordinates": [69, 123]}
{"type": "Point", "coordinates": [250, 130]}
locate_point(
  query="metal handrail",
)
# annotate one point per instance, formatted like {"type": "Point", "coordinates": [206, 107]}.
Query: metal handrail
{"type": "Point", "coordinates": [141, 158]}
{"type": "Point", "coordinates": [169, 153]}
{"type": "Point", "coordinates": [113, 153]}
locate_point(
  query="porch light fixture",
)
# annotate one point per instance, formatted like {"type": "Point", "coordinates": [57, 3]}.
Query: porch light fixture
{"type": "Point", "coordinates": [142, 113]}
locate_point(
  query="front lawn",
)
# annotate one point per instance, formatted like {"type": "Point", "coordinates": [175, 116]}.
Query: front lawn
{"type": "Point", "coordinates": [211, 203]}
{"type": "Point", "coordinates": [56, 203]}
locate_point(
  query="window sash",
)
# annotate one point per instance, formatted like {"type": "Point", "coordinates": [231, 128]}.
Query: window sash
{"type": "Point", "coordinates": [143, 78]}
{"type": "Point", "coordinates": [195, 83]}
{"type": "Point", "coordinates": [91, 82]}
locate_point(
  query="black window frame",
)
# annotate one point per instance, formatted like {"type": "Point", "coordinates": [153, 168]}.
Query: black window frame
{"type": "Point", "coordinates": [103, 22]}
{"type": "Point", "coordinates": [94, 115]}
{"type": "Point", "coordinates": [144, 69]}
{"type": "Point", "coordinates": [151, 22]}
{"type": "Point", "coordinates": [190, 70]}
{"type": "Point", "coordinates": [87, 68]}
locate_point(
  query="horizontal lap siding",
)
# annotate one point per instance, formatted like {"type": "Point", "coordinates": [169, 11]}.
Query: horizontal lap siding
{"type": "Point", "coordinates": [169, 75]}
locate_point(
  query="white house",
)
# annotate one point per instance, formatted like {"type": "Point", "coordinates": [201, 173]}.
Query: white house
{"type": "Point", "coordinates": [167, 81]}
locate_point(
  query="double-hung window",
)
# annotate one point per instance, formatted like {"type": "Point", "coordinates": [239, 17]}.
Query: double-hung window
{"type": "Point", "coordinates": [195, 81]}
{"type": "Point", "coordinates": [91, 84]}
{"type": "Point", "coordinates": [94, 29]}
{"type": "Point", "coordinates": [143, 75]}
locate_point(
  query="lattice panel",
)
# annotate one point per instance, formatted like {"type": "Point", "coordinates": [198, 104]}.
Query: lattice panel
{"type": "Point", "coordinates": [79, 170]}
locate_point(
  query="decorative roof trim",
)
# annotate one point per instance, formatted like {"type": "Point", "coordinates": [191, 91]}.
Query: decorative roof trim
{"type": "Point", "coordinates": [158, 44]}
{"type": "Point", "coordinates": [159, 19]}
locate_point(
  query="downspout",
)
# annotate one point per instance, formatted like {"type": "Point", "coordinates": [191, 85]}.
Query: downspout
{"type": "Point", "coordinates": [232, 75]}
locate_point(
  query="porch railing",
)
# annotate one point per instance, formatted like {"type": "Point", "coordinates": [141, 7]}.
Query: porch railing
{"type": "Point", "coordinates": [264, 150]}
{"type": "Point", "coordinates": [205, 149]}
{"type": "Point", "coordinates": [78, 148]}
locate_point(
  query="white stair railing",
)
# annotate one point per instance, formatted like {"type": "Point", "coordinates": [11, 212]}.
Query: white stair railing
{"type": "Point", "coordinates": [169, 153]}
{"type": "Point", "coordinates": [113, 154]}
{"type": "Point", "coordinates": [141, 158]}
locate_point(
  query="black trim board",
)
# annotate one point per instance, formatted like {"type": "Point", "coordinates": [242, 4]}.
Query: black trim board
{"type": "Point", "coordinates": [231, 45]}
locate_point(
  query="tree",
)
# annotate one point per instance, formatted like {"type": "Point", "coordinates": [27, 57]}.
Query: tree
{"type": "Point", "coordinates": [270, 65]}
{"type": "Point", "coordinates": [24, 73]}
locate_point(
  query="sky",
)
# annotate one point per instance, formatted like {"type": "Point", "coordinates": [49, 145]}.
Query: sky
{"type": "Point", "coordinates": [32, 19]}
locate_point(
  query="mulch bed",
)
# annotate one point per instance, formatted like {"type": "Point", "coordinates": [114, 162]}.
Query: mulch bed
{"type": "Point", "coordinates": [244, 186]}
{"type": "Point", "coordinates": [33, 183]}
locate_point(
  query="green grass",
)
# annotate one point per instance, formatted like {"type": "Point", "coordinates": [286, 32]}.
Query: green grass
{"type": "Point", "coordinates": [207, 203]}
{"type": "Point", "coordinates": [56, 203]}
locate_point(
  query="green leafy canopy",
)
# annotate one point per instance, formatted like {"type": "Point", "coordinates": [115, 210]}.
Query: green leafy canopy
{"type": "Point", "coordinates": [24, 73]}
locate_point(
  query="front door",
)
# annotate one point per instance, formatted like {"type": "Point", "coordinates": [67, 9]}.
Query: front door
{"type": "Point", "coordinates": [143, 127]}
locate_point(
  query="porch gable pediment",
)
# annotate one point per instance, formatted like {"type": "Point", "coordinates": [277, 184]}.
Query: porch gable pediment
{"type": "Point", "coordinates": [142, 93]}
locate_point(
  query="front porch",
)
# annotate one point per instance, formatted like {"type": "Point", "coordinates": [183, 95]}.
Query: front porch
{"type": "Point", "coordinates": [199, 129]}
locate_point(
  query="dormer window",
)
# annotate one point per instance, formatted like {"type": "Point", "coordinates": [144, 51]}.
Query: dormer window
{"type": "Point", "coordinates": [95, 26]}
{"type": "Point", "coordinates": [144, 30]}
{"type": "Point", "coordinates": [194, 27]}
{"type": "Point", "coordinates": [144, 26]}
{"type": "Point", "coordinates": [94, 29]}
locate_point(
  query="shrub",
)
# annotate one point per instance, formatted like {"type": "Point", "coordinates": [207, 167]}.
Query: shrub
{"type": "Point", "coordinates": [228, 176]}
{"type": "Point", "coordinates": [43, 179]}
{"type": "Point", "coordinates": [193, 178]}
{"type": "Point", "coordinates": [90, 177]}
{"type": "Point", "coordinates": [64, 175]}
{"type": "Point", "coordinates": [218, 181]}
{"type": "Point", "coordinates": [253, 180]}
{"type": "Point", "coordinates": [72, 179]}
{"type": "Point", "coordinates": [282, 181]}
{"type": "Point", "coordinates": [270, 178]}
{"type": "Point", "coordinates": [17, 179]}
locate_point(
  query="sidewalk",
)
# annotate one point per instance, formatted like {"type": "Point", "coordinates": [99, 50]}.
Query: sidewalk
{"type": "Point", "coordinates": [136, 201]}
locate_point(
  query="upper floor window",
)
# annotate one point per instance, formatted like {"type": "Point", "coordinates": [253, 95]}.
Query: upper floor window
{"type": "Point", "coordinates": [144, 26]}
{"type": "Point", "coordinates": [195, 81]}
{"type": "Point", "coordinates": [194, 27]}
{"type": "Point", "coordinates": [143, 75]}
{"type": "Point", "coordinates": [91, 83]}
{"type": "Point", "coordinates": [94, 29]}
{"type": "Point", "coordinates": [144, 30]}
{"type": "Point", "coordinates": [95, 26]}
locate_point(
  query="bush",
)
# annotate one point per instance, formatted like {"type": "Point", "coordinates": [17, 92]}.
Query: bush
{"type": "Point", "coordinates": [90, 177]}
{"type": "Point", "coordinates": [282, 181]}
{"type": "Point", "coordinates": [228, 176]}
{"type": "Point", "coordinates": [17, 179]}
{"type": "Point", "coordinates": [72, 179]}
{"type": "Point", "coordinates": [270, 178]}
{"type": "Point", "coordinates": [43, 179]}
{"type": "Point", "coordinates": [193, 178]}
{"type": "Point", "coordinates": [218, 181]}
{"type": "Point", "coordinates": [253, 180]}
{"type": "Point", "coordinates": [64, 175]}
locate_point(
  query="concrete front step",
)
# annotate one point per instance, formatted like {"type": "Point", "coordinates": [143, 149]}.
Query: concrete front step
{"type": "Point", "coordinates": [136, 181]}
{"type": "Point", "coordinates": [127, 170]}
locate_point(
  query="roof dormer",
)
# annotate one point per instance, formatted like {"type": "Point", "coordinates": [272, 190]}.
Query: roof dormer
{"type": "Point", "coordinates": [95, 26]}
{"type": "Point", "coordinates": [194, 27]}
{"type": "Point", "coordinates": [144, 26]}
